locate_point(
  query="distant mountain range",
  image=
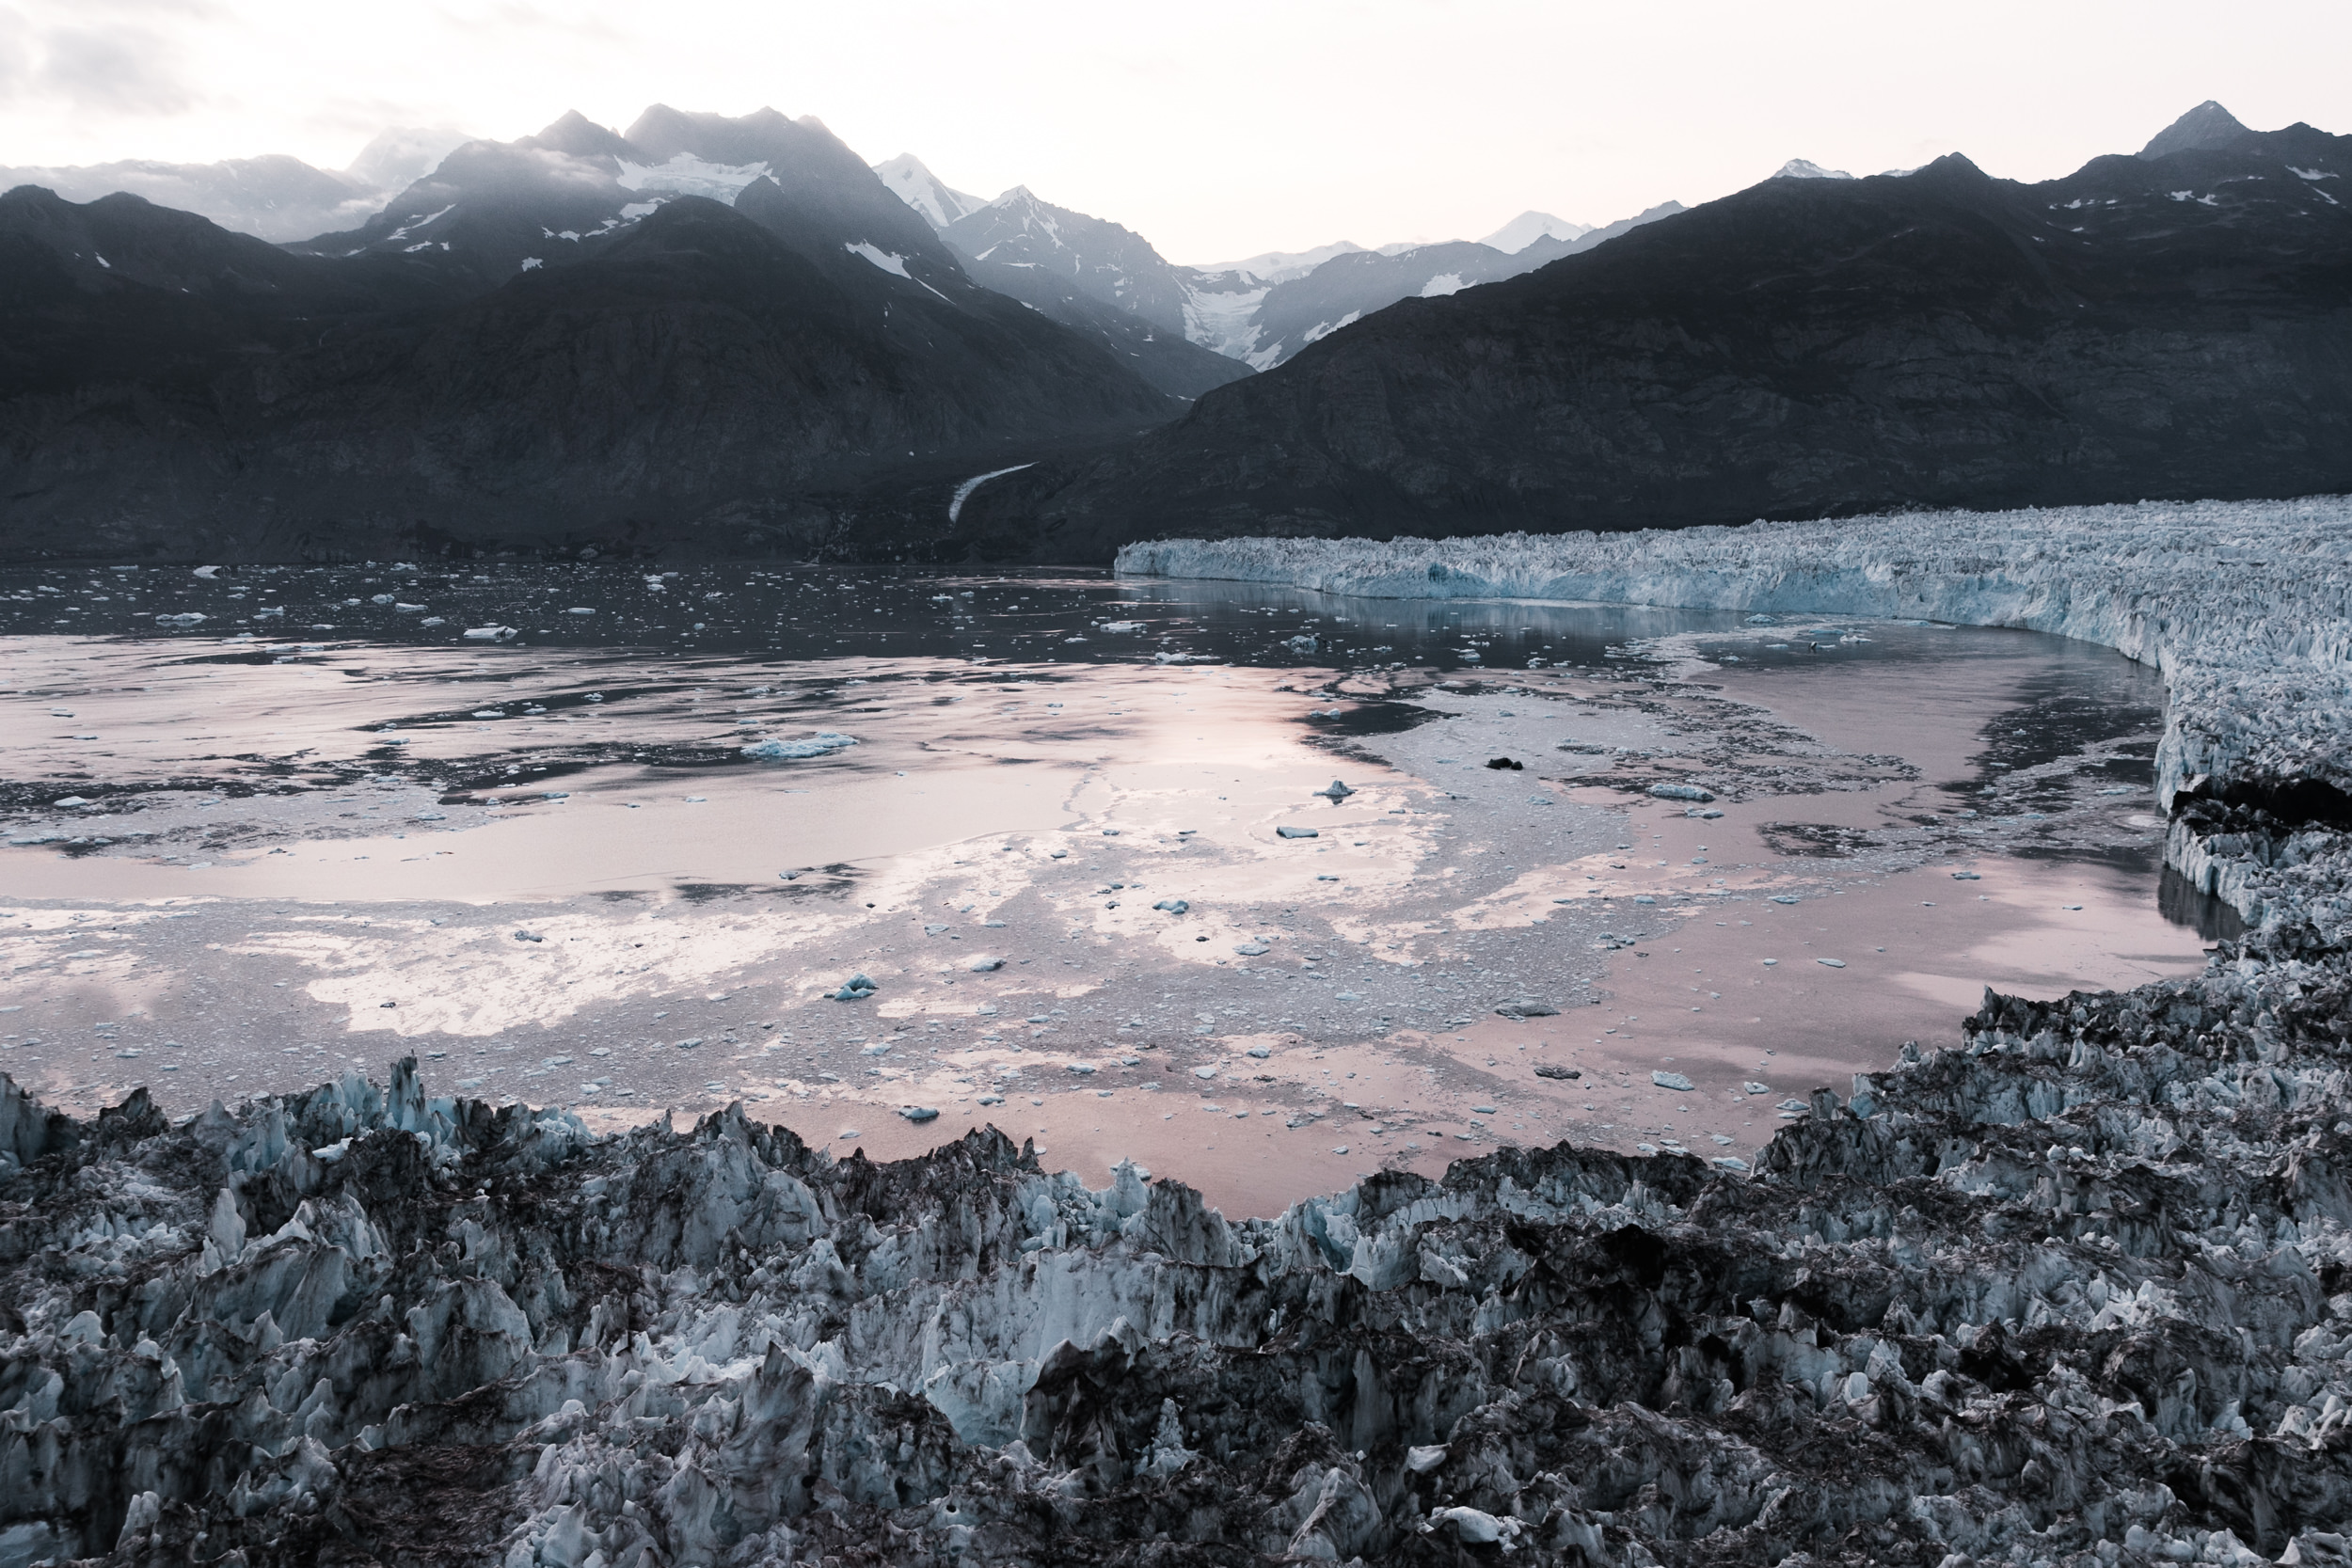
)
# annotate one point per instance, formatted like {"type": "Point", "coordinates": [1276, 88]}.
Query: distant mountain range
{"type": "Point", "coordinates": [716, 336]}
{"type": "Point", "coordinates": [274, 197]}
{"type": "Point", "coordinates": [560, 343]}
{"type": "Point", "coordinates": [1259, 311]}
{"type": "Point", "coordinates": [2176, 323]}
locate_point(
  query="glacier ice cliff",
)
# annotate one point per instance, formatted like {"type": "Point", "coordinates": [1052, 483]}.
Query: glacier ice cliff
{"type": "Point", "coordinates": [2073, 1287]}
{"type": "Point", "coordinates": [2246, 608]}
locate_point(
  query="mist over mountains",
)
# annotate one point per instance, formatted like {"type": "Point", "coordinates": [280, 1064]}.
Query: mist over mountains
{"type": "Point", "coordinates": [273, 196]}
{"type": "Point", "coordinates": [712, 335]}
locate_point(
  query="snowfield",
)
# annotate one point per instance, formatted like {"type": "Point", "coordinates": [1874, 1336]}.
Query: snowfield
{"type": "Point", "coordinates": [2073, 1286]}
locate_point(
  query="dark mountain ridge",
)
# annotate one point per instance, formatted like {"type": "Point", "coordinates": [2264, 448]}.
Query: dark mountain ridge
{"type": "Point", "coordinates": [522, 352]}
{"type": "Point", "coordinates": [2173, 325]}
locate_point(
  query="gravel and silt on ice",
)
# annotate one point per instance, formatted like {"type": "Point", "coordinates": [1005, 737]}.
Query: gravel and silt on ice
{"type": "Point", "coordinates": [619, 841]}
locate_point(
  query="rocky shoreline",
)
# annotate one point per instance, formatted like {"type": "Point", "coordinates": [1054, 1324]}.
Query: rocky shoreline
{"type": "Point", "coordinates": [2074, 1287]}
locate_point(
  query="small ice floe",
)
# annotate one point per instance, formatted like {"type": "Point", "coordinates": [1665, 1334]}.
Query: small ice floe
{"type": "Point", "coordinates": [1564, 1074]}
{"type": "Point", "coordinates": [1118, 626]}
{"type": "Point", "coordinates": [1296, 833]}
{"type": "Point", "coordinates": [1172, 906]}
{"type": "Point", "coordinates": [857, 988]}
{"type": "Point", "coordinates": [1338, 791]}
{"type": "Point", "coordinates": [1758, 1088]}
{"type": "Point", "coordinates": [490, 634]}
{"type": "Point", "coordinates": [984, 964]}
{"type": "Point", "coordinates": [1831, 963]}
{"type": "Point", "coordinates": [1785, 898]}
{"type": "Point", "coordinates": [1967, 877]}
{"type": "Point", "coordinates": [824, 743]}
{"type": "Point", "coordinates": [1681, 792]}
{"type": "Point", "coordinates": [1670, 1080]}
{"type": "Point", "coordinates": [919, 1114]}
{"type": "Point", "coordinates": [1252, 949]}
{"type": "Point", "coordinates": [1526, 1006]}
{"type": "Point", "coordinates": [580, 609]}
{"type": "Point", "coordinates": [1303, 643]}
{"type": "Point", "coordinates": [528, 936]}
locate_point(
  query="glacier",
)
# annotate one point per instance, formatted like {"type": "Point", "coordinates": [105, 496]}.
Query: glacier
{"type": "Point", "coordinates": [2245, 607]}
{"type": "Point", "coordinates": [2073, 1286]}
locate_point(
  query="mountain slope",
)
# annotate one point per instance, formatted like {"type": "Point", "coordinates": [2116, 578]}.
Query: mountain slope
{"type": "Point", "coordinates": [919, 188]}
{"type": "Point", "coordinates": [1346, 289]}
{"type": "Point", "coordinates": [2172, 326]}
{"type": "Point", "coordinates": [1099, 259]}
{"type": "Point", "coordinates": [673, 370]}
{"type": "Point", "coordinates": [1530, 226]}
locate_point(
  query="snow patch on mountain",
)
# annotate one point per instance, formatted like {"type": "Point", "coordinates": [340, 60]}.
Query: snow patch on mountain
{"type": "Point", "coordinates": [687, 175]}
{"type": "Point", "coordinates": [1805, 168]}
{"type": "Point", "coordinates": [940, 203]}
{"type": "Point", "coordinates": [1442, 285]}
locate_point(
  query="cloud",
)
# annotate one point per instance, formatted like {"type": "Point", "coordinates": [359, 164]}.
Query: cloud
{"type": "Point", "coordinates": [16, 47]}
{"type": "Point", "coordinates": [123, 71]}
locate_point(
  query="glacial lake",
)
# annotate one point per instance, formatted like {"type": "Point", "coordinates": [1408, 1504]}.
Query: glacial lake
{"type": "Point", "coordinates": [618, 839]}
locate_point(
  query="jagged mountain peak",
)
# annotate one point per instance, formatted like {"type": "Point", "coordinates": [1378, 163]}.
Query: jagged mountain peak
{"type": "Point", "coordinates": [576, 136]}
{"type": "Point", "coordinates": [911, 181]}
{"type": "Point", "coordinates": [1530, 226]}
{"type": "Point", "coordinates": [1805, 168]}
{"type": "Point", "coordinates": [2202, 129]}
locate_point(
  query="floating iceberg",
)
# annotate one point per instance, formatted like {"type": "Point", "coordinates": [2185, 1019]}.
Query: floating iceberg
{"type": "Point", "coordinates": [824, 743]}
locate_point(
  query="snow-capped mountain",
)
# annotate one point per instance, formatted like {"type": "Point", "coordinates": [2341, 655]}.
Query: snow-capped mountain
{"type": "Point", "coordinates": [1104, 260]}
{"type": "Point", "coordinates": [544, 342]}
{"type": "Point", "coordinates": [1346, 289]}
{"type": "Point", "coordinates": [497, 209]}
{"type": "Point", "coordinates": [1805, 168]}
{"type": "Point", "coordinates": [1094, 277]}
{"type": "Point", "coordinates": [1530, 226]}
{"type": "Point", "coordinates": [1259, 310]}
{"type": "Point", "coordinates": [1280, 266]}
{"type": "Point", "coordinates": [274, 196]}
{"type": "Point", "coordinates": [923, 191]}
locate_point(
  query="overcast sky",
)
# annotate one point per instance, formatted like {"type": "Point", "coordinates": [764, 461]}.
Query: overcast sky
{"type": "Point", "coordinates": [1215, 130]}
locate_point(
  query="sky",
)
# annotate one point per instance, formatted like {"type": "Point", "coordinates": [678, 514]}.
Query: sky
{"type": "Point", "coordinates": [1215, 130]}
